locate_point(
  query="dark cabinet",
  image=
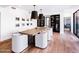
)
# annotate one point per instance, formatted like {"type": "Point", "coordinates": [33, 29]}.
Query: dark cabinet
{"type": "Point", "coordinates": [55, 22]}
{"type": "Point", "coordinates": [38, 23]}
{"type": "Point", "coordinates": [41, 22]}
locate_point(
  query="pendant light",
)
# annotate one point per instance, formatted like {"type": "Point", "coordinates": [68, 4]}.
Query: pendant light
{"type": "Point", "coordinates": [34, 14]}
{"type": "Point", "coordinates": [41, 14]}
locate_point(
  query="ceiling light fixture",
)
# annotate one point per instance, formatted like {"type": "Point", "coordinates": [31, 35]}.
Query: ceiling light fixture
{"type": "Point", "coordinates": [34, 14]}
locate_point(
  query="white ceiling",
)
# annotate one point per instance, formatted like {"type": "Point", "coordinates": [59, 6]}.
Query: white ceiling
{"type": "Point", "coordinates": [46, 8]}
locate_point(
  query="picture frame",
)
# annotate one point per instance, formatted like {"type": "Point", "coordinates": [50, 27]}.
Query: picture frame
{"type": "Point", "coordinates": [17, 19]}
{"type": "Point", "coordinates": [17, 25]}
{"type": "Point", "coordinates": [23, 24]}
{"type": "Point", "coordinates": [23, 19]}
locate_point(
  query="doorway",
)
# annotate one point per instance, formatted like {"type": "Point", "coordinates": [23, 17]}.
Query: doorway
{"type": "Point", "coordinates": [67, 24]}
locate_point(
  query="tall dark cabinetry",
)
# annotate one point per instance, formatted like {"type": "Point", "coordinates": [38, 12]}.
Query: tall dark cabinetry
{"type": "Point", "coordinates": [41, 22]}
{"type": "Point", "coordinates": [55, 22]}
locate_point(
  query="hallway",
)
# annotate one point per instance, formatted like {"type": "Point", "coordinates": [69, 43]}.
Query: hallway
{"type": "Point", "coordinates": [66, 43]}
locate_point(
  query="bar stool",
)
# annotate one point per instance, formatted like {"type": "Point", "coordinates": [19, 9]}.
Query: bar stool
{"type": "Point", "coordinates": [50, 34]}
{"type": "Point", "coordinates": [41, 40]}
{"type": "Point", "coordinates": [19, 42]}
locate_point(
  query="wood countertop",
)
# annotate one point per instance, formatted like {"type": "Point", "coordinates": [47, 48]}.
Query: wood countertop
{"type": "Point", "coordinates": [34, 31]}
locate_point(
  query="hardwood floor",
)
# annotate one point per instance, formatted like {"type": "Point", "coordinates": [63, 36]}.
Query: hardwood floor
{"type": "Point", "coordinates": [5, 47]}
{"type": "Point", "coordinates": [66, 43]}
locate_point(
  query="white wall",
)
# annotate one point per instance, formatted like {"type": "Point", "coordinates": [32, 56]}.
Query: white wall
{"type": "Point", "coordinates": [61, 23]}
{"type": "Point", "coordinates": [69, 13]}
{"type": "Point", "coordinates": [8, 22]}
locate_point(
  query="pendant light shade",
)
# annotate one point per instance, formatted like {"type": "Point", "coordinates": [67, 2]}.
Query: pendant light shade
{"type": "Point", "coordinates": [34, 14]}
{"type": "Point", "coordinates": [41, 15]}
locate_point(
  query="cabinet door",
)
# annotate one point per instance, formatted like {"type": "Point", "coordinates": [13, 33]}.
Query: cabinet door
{"type": "Point", "coordinates": [42, 23]}
{"type": "Point", "coordinates": [52, 21]}
{"type": "Point", "coordinates": [57, 18]}
{"type": "Point", "coordinates": [38, 23]}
